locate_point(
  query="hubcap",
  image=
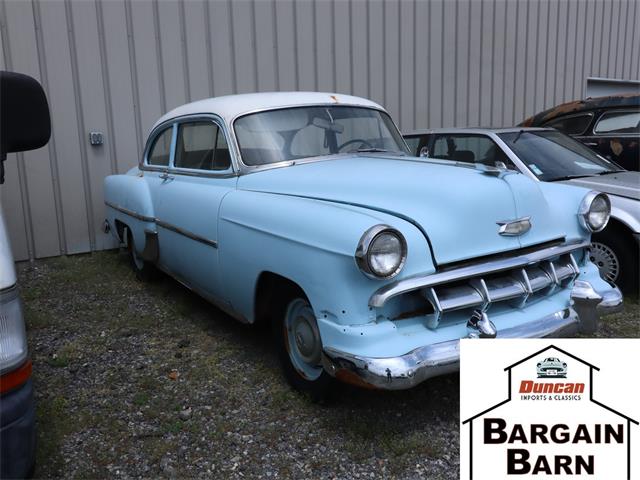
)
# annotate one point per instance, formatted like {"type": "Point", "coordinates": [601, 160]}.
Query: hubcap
{"type": "Point", "coordinates": [606, 260]}
{"type": "Point", "coordinates": [303, 339]}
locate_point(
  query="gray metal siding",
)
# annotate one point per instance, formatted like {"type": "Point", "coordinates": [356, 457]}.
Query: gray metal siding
{"type": "Point", "coordinates": [116, 66]}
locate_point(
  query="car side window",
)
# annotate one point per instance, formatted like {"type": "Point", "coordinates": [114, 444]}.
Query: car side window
{"type": "Point", "coordinates": [201, 146]}
{"type": "Point", "coordinates": [572, 125]}
{"type": "Point", "coordinates": [469, 149]}
{"type": "Point", "coordinates": [618, 122]}
{"type": "Point", "coordinates": [160, 151]}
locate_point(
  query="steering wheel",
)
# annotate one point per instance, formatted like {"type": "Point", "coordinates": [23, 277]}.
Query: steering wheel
{"type": "Point", "coordinates": [354, 140]}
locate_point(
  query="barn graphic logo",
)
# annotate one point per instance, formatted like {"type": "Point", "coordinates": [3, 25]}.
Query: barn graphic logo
{"type": "Point", "coordinates": [550, 425]}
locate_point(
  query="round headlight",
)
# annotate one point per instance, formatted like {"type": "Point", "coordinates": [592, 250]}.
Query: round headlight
{"type": "Point", "coordinates": [381, 252]}
{"type": "Point", "coordinates": [594, 212]}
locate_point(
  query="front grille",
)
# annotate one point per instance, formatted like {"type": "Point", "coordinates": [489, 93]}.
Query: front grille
{"type": "Point", "coordinates": [514, 287]}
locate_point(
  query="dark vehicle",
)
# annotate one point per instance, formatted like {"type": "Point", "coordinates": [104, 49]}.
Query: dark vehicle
{"type": "Point", "coordinates": [24, 125]}
{"type": "Point", "coordinates": [608, 125]}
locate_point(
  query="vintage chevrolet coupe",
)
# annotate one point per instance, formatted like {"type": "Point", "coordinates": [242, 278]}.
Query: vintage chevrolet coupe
{"type": "Point", "coordinates": [307, 210]}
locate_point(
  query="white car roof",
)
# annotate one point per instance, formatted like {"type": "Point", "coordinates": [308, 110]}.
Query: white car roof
{"type": "Point", "coordinates": [231, 106]}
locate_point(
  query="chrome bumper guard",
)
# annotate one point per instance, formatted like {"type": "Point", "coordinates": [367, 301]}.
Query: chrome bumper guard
{"type": "Point", "coordinates": [406, 371]}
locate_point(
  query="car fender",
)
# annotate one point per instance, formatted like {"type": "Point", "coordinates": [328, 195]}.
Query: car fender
{"type": "Point", "coordinates": [627, 211]}
{"type": "Point", "coordinates": [310, 242]}
{"type": "Point", "coordinates": [128, 200]}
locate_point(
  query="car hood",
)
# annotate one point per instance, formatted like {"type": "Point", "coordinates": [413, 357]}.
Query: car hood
{"type": "Point", "coordinates": [456, 207]}
{"type": "Point", "coordinates": [624, 184]}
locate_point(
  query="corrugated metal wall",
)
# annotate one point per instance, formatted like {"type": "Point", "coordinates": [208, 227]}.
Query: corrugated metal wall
{"type": "Point", "coordinates": [116, 66]}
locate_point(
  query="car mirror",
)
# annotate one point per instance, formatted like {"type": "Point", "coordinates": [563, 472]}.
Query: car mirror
{"type": "Point", "coordinates": [24, 115]}
{"type": "Point", "coordinates": [424, 152]}
{"type": "Point", "coordinates": [327, 125]}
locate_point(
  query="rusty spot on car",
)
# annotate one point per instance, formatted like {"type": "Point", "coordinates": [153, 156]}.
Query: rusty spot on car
{"type": "Point", "coordinates": [334, 98]}
{"type": "Point", "coordinates": [347, 376]}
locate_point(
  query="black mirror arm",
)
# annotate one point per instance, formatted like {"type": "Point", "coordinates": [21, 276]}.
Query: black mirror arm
{"type": "Point", "coordinates": [3, 157]}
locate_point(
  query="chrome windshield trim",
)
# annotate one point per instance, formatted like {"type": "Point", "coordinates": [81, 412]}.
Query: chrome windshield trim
{"type": "Point", "coordinates": [417, 282]}
{"type": "Point", "coordinates": [187, 233]}
{"type": "Point", "coordinates": [131, 213]}
{"type": "Point", "coordinates": [243, 168]}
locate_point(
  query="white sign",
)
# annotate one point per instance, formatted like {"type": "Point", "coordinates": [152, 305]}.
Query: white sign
{"type": "Point", "coordinates": [549, 408]}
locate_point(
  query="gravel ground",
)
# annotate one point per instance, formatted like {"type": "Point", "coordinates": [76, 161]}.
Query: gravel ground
{"type": "Point", "coordinates": [147, 380]}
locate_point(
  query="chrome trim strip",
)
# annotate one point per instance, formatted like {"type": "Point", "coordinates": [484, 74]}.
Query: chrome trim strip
{"type": "Point", "coordinates": [417, 282]}
{"type": "Point", "coordinates": [166, 225]}
{"type": "Point", "coordinates": [131, 213]}
{"type": "Point", "coordinates": [406, 371]}
{"type": "Point", "coordinates": [186, 233]}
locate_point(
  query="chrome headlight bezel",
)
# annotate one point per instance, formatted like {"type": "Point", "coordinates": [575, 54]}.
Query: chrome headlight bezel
{"type": "Point", "coordinates": [363, 251]}
{"type": "Point", "coordinates": [586, 209]}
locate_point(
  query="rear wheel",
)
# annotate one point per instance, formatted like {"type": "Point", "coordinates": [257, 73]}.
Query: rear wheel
{"type": "Point", "coordinates": [144, 270]}
{"type": "Point", "coordinates": [616, 256]}
{"type": "Point", "coordinates": [300, 347]}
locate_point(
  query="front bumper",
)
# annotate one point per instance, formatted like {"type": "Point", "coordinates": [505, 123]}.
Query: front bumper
{"type": "Point", "coordinates": [17, 432]}
{"type": "Point", "coordinates": [422, 363]}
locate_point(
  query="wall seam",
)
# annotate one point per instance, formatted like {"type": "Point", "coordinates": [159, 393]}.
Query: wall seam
{"type": "Point", "coordinates": [53, 158]}
{"type": "Point", "coordinates": [134, 76]}
{"type": "Point", "coordinates": [209, 47]}
{"type": "Point", "coordinates": [107, 86]}
{"type": "Point", "coordinates": [75, 78]}
{"type": "Point", "coordinates": [158, 38]}
{"type": "Point", "coordinates": [185, 57]}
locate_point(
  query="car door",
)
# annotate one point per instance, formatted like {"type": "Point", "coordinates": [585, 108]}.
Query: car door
{"type": "Point", "coordinates": [189, 198]}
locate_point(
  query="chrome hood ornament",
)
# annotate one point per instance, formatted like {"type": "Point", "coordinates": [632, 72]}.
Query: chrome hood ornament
{"type": "Point", "coordinates": [513, 228]}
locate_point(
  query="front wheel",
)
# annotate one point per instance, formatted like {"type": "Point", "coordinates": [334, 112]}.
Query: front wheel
{"type": "Point", "coordinates": [616, 256]}
{"type": "Point", "coordinates": [300, 348]}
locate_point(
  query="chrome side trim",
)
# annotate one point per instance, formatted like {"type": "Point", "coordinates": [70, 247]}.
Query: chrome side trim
{"type": "Point", "coordinates": [417, 282]}
{"type": "Point", "coordinates": [186, 233]}
{"type": "Point", "coordinates": [131, 213]}
{"type": "Point", "coordinates": [163, 224]}
{"type": "Point", "coordinates": [407, 371]}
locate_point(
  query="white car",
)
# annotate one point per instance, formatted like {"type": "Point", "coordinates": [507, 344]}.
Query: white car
{"type": "Point", "coordinates": [551, 367]}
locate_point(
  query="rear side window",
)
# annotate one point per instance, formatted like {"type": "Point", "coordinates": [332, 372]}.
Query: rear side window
{"type": "Point", "coordinates": [469, 149]}
{"type": "Point", "coordinates": [573, 125]}
{"type": "Point", "coordinates": [618, 122]}
{"type": "Point", "coordinates": [160, 151]}
{"type": "Point", "coordinates": [201, 146]}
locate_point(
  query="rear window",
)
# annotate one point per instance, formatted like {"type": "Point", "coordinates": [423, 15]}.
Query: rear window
{"type": "Point", "coordinates": [618, 122]}
{"type": "Point", "coordinates": [160, 152]}
{"type": "Point", "coordinates": [573, 125]}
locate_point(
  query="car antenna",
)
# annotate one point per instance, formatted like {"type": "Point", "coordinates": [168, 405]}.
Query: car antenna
{"type": "Point", "coordinates": [518, 136]}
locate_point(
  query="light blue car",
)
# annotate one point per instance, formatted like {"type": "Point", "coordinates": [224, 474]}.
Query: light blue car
{"type": "Point", "coordinates": [307, 210]}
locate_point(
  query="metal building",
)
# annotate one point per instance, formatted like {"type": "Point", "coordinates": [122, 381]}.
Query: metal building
{"type": "Point", "coordinates": [114, 66]}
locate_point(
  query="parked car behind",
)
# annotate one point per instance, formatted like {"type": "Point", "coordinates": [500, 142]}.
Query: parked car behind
{"type": "Point", "coordinates": [24, 125]}
{"type": "Point", "coordinates": [551, 156]}
{"type": "Point", "coordinates": [306, 209]}
{"type": "Point", "coordinates": [608, 125]}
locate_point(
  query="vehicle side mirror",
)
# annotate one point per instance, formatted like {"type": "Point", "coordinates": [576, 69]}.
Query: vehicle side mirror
{"type": "Point", "coordinates": [25, 123]}
{"type": "Point", "coordinates": [424, 152]}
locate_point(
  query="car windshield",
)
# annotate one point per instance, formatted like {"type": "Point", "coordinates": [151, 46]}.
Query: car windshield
{"type": "Point", "coordinates": [302, 132]}
{"type": "Point", "coordinates": [552, 155]}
